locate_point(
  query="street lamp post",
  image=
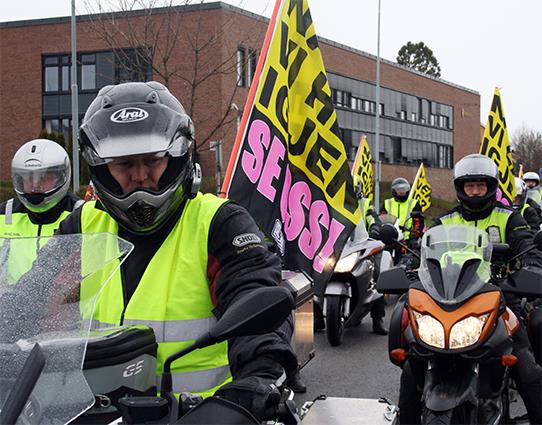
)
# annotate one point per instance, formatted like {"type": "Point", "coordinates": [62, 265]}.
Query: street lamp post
{"type": "Point", "coordinates": [377, 120]}
{"type": "Point", "coordinates": [75, 106]}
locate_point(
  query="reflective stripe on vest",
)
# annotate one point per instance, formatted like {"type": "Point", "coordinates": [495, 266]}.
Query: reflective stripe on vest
{"type": "Point", "coordinates": [173, 295]}
{"type": "Point", "coordinates": [498, 219]}
{"type": "Point", "coordinates": [198, 381]}
{"type": "Point", "coordinates": [9, 211]}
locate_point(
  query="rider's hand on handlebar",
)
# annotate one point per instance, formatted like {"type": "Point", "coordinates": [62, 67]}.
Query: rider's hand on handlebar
{"type": "Point", "coordinates": [258, 395]}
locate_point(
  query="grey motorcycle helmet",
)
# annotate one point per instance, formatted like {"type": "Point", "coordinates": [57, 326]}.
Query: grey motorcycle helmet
{"type": "Point", "coordinates": [41, 172]}
{"type": "Point", "coordinates": [398, 185]}
{"type": "Point", "coordinates": [134, 119]}
{"type": "Point", "coordinates": [476, 167]}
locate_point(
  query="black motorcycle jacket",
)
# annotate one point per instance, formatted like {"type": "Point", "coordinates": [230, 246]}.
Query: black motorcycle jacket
{"type": "Point", "coordinates": [233, 268]}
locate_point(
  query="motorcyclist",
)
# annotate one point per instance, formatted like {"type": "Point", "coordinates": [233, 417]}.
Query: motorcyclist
{"type": "Point", "coordinates": [532, 180]}
{"type": "Point", "coordinates": [527, 207]}
{"type": "Point", "coordinates": [404, 208]}
{"type": "Point", "coordinates": [372, 224]}
{"type": "Point", "coordinates": [40, 171]}
{"type": "Point", "coordinates": [194, 254]}
{"type": "Point", "coordinates": [369, 217]}
{"type": "Point", "coordinates": [476, 179]}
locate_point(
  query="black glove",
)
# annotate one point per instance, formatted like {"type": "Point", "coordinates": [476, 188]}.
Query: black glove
{"type": "Point", "coordinates": [258, 395]}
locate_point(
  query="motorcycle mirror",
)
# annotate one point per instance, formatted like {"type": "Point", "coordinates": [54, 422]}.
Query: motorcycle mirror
{"type": "Point", "coordinates": [388, 234]}
{"type": "Point", "coordinates": [392, 281]}
{"type": "Point", "coordinates": [261, 311]}
{"type": "Point", "coordinates": [538, 240]}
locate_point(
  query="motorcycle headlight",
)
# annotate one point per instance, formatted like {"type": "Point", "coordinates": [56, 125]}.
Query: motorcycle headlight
{"type": "Point", "coordinates": [430, 330]}
{"type": "Point", "coordinates": [347, 263]}
{"type": "Point", "coordinates": [467, 331]}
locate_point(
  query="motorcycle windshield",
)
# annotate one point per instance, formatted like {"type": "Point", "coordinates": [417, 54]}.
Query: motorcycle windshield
{"type": "Point", "coordinates": [455, 262]}
{"type": "Point", "coordinates": [356, 241]}
{"type": "Point", "coordinates": [387, 218]}
{"type": "Point", "coordinates": [49, 309]}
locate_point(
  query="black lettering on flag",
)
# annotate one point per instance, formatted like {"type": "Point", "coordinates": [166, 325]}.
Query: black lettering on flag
{"type": "Point", "coordinates": [284, 45]}
{"type": "Point", "coordinates": [268, 87]}
{"type": "Point", "coordinates": [317, 92]}
{"type": "Point", "coordinates": [297, 147]}
{"type": "Point", "coordinates": [282, 95]}
{"type": "Point", "coordinates": [303, 20]}
{"type": "Point", "coordinates": [296, 66]}
{"type": "Point", "coordinates": [350, 202]}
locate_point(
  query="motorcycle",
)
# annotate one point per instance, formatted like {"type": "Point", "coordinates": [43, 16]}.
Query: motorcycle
{"type": "Point", "coordinates": [350, 293]}
{"type": "Point", "coordinates": [454, 320]}
{"type": "Point", "coordinates": [55, 369]}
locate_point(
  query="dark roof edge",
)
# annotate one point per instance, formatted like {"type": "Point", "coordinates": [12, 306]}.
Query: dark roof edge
{"type": "Point", "coordinates": [87, 17]}
{"type": "Point", "coordinates": [226, 6]}
{"type": "Point", "coordinates": [394, 64]}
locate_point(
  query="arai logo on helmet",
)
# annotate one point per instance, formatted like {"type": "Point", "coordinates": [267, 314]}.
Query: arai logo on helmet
{"type": "Point", "coordinates": [129, 115]}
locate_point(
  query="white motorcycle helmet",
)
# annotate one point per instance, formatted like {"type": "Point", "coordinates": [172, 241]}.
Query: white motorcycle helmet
{"type": "Point", "coordinates": [41, 172]}
{"type": "Point", "coordinates": [531, 176]}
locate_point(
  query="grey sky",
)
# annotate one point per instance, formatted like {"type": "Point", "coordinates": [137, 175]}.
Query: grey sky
{"type": "Point", "coordinates": [479, 44]}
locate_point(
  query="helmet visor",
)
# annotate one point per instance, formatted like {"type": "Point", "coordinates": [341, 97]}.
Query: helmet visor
{"type": "Point", "coordinates": [140, 129]}
{"type": "Point", "coordinates": [401, 187]}
{"type": "Point", "coordinates": [45, 180]}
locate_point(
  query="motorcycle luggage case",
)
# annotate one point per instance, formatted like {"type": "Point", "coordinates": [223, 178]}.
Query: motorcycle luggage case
{"type": "Point", "coordinates": [119, 361]}
{"type": "Point", "coordinates": [348, 411]}
{"type": "Point", "coordinates": [301, 287]}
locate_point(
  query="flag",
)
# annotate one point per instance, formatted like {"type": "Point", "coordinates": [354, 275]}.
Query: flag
{"type": "Point", "coordinates": [289, 167]}
{"type": "Point", "coordinates": [421, 190]}
{"type": "Point", "coordinates": [363, 168]}
{"type": "Point", "coordinates": [496, 145]}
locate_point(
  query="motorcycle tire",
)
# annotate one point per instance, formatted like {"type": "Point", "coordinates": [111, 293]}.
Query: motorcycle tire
{"type": "Point", "coordinates": [334, 319]}
{"type": "Point", "coordinates": [430, 417]}
{"type": "Point", "coordinates": [459, 415]}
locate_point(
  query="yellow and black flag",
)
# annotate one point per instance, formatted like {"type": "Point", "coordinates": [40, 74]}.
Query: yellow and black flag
{"type": "Point", "coordinates": [421, 190]}
{"type": "Point", "coordinates": [496, 145]}
{"type": "Point", "coordinates": [363, 168]}
{"type": "Point", "coordinates": [289, 166]}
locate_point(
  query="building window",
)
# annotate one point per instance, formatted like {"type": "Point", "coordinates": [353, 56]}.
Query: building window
{"type": "Point", "coordinates": [241, 67]}
{"type": "Point", "coordinates": [88, 72]}
{"type": "Point", "coordinates": [252, 63]}
{"type": "Point", "coordinates": [401, 115]}
{"type": "Point", "coordinates": [381, 109]}
{"type": "Point", "coordinates": [95, 70]}
{"type": "Point", "coordinates": [413, 117]}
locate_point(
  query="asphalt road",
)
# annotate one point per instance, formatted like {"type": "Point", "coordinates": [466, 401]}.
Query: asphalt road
{"type": "Point", "coordinates": [358, 368]}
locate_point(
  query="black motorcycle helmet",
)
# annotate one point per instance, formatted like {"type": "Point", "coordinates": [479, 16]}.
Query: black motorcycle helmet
{"type": "Point", "coordinates": [476, 167]}
{"type": "Point", "coordinates": [134, 119]}
{"type": "Point", "coordinates": [400, 185]}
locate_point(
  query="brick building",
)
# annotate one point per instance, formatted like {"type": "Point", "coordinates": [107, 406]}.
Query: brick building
{"type": "Point", "coordinates": [422, 118]}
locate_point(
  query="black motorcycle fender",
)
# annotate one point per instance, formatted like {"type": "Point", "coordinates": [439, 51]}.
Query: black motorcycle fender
{"type": "Point", "coordinates": [445, 391]}
{"type": "Point", "coordinates": [338, 288]}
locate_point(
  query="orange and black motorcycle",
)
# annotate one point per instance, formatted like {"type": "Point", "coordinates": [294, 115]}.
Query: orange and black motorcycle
{"type": "Point", "coordinates": [453, 319]}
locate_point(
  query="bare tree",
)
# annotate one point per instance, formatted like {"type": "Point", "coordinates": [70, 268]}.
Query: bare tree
{"type": "Point", "coordinates": [527, 146]}
{"type": "Point", "coordinates": [158, 37]}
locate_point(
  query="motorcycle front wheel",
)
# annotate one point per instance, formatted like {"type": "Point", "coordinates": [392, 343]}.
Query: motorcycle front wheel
{"type": "Point", "coordinates": [334, 319]}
